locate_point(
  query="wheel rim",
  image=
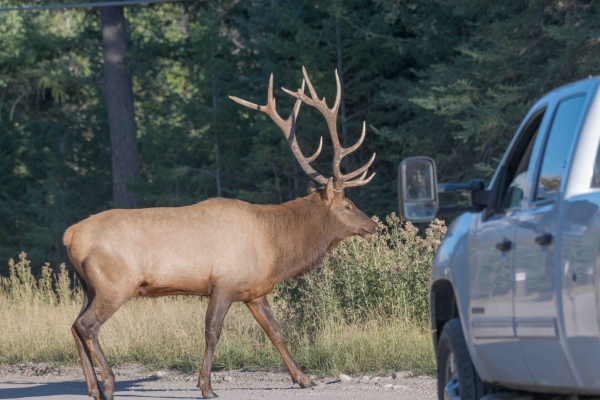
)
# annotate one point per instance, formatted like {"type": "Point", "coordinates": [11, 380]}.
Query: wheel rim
{"type": "Point", "coordinates": [451, 378]}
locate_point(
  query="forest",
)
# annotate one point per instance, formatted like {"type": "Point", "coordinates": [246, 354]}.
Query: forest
{"type": "Point", "coordinates": [450, 79]}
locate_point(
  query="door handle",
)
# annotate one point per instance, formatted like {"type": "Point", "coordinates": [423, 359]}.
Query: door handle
{"type": "Point", "coordinates": [544, 240]}
{"type": "Point", "coordinates": [504, 246]}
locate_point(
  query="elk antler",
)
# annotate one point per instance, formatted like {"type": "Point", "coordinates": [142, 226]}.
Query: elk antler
{"type": "Point", "coordinates": [341, 181]}
{"type": "Point", "coordinates": [289, 129]}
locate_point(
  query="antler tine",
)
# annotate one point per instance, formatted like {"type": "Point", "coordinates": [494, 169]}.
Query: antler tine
{"type": "Point", "coordinates": [359, 171]}
{"type": "Point", "coordinates": [358, 143]}
{"type": "Point", "coordinates": [246, 103]}
{"type": "Point", "coordinates": [338, 93]}
{"type": "Point", "coordinates": [359, 182]}
{"type": "Point", "coordinates": [268, 109]}
{"type": "Point", "coordinates": [298, 102]}
{"type": "Point", "coordinates": [302, 97]}
{"type": "Point", "coordinates": [362, 176]}
{"type": "Point", "coordinates": [314, 156]}
{"type": "Point", "coordinates": [292, 119]}
{"type": "Point", "coordinates": [289, 129]}
{"type": "Point", "coordinates": [270, 98]}
{"type": "Point", "coordinates": [311, 89]}
{"type": "Point", "coordinates": [314, 101]}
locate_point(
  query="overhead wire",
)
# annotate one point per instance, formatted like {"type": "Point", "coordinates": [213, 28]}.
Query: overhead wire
{"type": "Point", "coordinates": [87, 5]}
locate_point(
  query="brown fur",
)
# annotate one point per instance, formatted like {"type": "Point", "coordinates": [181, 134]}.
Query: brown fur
{"type": "Point", "coordinates": [228, 250]}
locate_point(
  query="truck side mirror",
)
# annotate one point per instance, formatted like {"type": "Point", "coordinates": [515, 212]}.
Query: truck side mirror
{"type": "Point", "coordinates": [417, 189]}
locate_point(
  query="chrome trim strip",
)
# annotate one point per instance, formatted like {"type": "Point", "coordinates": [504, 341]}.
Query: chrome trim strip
{"type": "Point", "coordinates": [540, 327]}
{"type": "Point", "coordinates": [493, 328]}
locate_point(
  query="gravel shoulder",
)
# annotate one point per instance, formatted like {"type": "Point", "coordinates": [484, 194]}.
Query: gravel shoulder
{"type": "Point", "coordinates": [41, 381]}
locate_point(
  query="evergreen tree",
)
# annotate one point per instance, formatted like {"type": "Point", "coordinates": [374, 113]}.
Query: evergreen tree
{"type": "Point", "coordinates": [450, 79]}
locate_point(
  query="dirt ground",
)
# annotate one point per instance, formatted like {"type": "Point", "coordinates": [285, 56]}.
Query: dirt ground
{"type": "Point", "coordinates": [40, 381]}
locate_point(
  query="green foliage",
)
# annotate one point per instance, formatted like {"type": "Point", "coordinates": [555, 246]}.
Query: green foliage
{"type": "Point", "coordinates": [53, 151]}
{"type": "Point", "coordinates": [451, 79]}
{"type": "Point", "coordinates": [387, 275]}
{"type": "Point", "coordinates": [508, 55]}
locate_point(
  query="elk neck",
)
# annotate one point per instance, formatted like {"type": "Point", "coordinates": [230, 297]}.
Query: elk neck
{"type": "Point", "coordinates": [300, 233]}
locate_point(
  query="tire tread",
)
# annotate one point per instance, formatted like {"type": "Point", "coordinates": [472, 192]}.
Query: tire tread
{"type": "Point", "coordinates": [470, 384]}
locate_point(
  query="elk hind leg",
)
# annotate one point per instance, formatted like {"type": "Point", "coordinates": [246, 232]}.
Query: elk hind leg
{"type": "Point", "coordinates": [84, 353]}
{"type": "Point", "coordinates": [218, 305]}
{"type": "Point", "coordinates": [88, 325]}
{"type": "Point", "coordinates": [261, 310]}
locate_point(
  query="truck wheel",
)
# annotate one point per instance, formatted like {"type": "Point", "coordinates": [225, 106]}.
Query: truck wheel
{"type": "Point", "coordinates": [457, 378]}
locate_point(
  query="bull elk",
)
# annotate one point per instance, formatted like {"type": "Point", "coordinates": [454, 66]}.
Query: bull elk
{"type": "Point", "coordinates": [228, 250]}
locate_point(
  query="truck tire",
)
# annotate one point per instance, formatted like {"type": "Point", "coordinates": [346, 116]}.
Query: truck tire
{"type": "Point", "coordinates": [457, 378]}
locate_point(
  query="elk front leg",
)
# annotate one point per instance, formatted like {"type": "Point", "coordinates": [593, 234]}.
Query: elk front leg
{"type": "Point", "coordinates": [262, 312]}
{"type": "Point", "coordinates": [218, 305]}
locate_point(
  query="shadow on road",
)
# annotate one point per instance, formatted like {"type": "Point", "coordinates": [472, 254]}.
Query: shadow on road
{"type": "Point", "coordinates": [65, 388]}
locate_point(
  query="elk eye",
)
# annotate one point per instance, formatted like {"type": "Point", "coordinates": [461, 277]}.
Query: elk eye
{"type": "Point", "coordinates": [347, 207]}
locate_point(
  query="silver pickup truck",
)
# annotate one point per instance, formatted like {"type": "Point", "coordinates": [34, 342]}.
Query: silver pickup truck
{"type": "Point", "coordinates": [515, 284]}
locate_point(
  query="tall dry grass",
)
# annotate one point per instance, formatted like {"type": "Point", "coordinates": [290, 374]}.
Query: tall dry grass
{"type": "Point", "coordinates": [363, 310]}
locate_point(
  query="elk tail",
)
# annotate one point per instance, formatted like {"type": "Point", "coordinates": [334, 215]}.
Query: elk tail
{"type": "Point", "coordinates": [75, 260]}
{"type": "Point", "coordinates": [68, 236]}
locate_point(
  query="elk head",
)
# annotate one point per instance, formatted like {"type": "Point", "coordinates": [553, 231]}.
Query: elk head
{"type": "Point", "coordinates": [331, 190]}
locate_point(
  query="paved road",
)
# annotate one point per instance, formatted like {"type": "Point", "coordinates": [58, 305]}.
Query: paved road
{"type": "Point", "coordinates": [245, 386]}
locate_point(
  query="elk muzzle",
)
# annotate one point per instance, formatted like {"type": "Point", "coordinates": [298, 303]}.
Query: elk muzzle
{"type": "Point", "coordinates": [369, 229]}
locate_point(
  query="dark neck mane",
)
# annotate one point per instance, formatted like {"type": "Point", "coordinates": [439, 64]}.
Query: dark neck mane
{"type": "Point", "coordinates": [301, 235]}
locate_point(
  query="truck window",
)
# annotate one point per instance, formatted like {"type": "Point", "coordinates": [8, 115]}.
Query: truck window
{"type": "Point", "coordinates": [558, 147]}
{"type": "Point", "coordinates": [514, 194]}
{"type": "Point", "coordinates": [516, 168]}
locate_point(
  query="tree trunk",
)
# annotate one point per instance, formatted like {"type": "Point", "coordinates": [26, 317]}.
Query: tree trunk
{"type": "Point", "coordinates": [119, 103]}
{"type": "Point", "coordinates": [214, 95]}
{"type": "Point", "coordinates": [340, 68]}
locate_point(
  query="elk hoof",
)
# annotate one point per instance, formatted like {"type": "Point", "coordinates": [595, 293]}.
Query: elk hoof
{"type": "Point", "coordinates": [307, 385]}
{"type": "Point", "coordinates": [106, 396]}
{"type": "Point", "coordinates": [96, 394]}
{"type": "Point", "coordinates": [211, 395]}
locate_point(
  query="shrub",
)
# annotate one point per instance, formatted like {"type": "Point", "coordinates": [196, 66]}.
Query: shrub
{"type": "Point", "coordinates": [387, 275]}
{"type": "Point", "coordinates": [22, 287]}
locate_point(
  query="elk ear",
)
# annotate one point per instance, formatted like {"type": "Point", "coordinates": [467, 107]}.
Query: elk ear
{"type": "Point", "coordinates": [311, 187]}
{"type": "Point", "coordinates": [328, 191]}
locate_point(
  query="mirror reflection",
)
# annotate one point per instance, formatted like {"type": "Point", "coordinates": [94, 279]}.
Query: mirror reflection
{"type": "Point", "coordinates": [419, 180]}
{"type": "Point", "coordinates": [420, 210]}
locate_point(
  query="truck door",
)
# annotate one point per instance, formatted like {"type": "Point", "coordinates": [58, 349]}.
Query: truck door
{"type": "Point", "coordinates": [491, 259]}
{"type": "Point", "coordinates": [536, 251]}
{"type": "Point", "coordinates": [580, 250]}
{"type": "Point", "coordinates": [490, 295]}
{"type": "Point", "coordinates": [580, 247]}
